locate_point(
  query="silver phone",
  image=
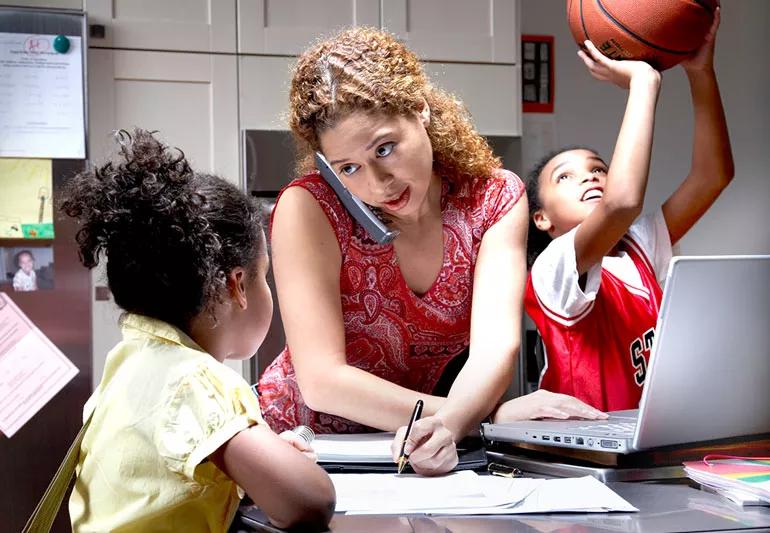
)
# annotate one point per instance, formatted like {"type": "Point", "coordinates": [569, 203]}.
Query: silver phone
{"type": "Point", "coordinates": [375, 227]}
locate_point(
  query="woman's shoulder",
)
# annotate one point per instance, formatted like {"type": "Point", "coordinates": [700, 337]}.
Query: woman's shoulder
{"type": "Point", "coordinates": [322, 193]}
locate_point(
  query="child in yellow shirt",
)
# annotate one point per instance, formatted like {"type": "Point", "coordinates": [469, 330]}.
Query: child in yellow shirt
{"type": "Point", "coordinates": [174, 433]}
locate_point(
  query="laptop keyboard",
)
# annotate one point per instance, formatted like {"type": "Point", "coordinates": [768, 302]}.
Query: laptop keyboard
{"type": "Point", "coordinates": [621, 428]}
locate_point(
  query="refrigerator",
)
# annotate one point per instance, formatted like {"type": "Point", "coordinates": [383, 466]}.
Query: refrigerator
{"type": "Point", "coordinates": [61, 304]}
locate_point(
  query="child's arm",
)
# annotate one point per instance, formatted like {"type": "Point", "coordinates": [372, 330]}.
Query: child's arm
{"type": "Point", "coordinates": [290, 488]}
{"type": "Point", "coordinates": [712, 160]}
{"type": "Point", "coordinates": [627, 179]}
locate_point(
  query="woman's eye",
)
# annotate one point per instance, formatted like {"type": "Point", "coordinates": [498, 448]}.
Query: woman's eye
{"type": "Point", "coordinates": [384, 150]}
{"type": "Point", "coordinates": [562, 177]}
{"type": "Point", "coordinates": [348, 169]}
{"type": "Point", "coordinates": [599, 169]}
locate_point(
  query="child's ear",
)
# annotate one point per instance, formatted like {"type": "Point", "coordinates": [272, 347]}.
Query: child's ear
{"type": "Point", "coordinates": [236, 285]}
{"type": "Point", "coordinates": [541, 220]}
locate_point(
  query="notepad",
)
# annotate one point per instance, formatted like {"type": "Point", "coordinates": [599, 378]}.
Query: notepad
{"type": "Point", "coordinates": [354, 448]}
{"type": "Point", "coordinates": [748, 475]}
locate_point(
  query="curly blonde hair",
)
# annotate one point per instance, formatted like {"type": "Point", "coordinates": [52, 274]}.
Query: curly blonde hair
{"type": "Point", "coordinates": [368, 69]}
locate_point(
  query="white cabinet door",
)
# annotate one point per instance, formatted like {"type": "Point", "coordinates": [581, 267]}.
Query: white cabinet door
{"type": "Point", "coordinates": [185, 25]}
{"type": "Point", "coordinates": [456, 30]}
{"type": "Point", "coordinates": [57, 4]}
{"type": "Point", "coordinates": [264, 91]}
{"type": "Point", "coordinates": [191, 99]}
{"type": "Point", "coordinates": [286, 27]}
{"type": "Point", "coordinates": [492, 93]}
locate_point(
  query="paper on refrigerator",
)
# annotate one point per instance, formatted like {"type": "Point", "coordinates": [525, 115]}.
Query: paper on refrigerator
{"type": "Point", "coordinates": [32, 369]}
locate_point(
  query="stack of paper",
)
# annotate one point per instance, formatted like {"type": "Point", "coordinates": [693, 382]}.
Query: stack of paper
{"type": "Point", "coordinates": [468, 493]}
{"type": "Point", "coordinates": [747, 481]}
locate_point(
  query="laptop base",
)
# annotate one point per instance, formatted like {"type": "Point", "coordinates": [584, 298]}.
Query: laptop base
{"type": "Point", "coordinates": [534, 467]}
{"type": "Point", "coordinates": [657, 464]}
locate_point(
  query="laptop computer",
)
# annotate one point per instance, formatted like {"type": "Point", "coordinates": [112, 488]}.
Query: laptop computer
{"type": "Point", "coordinates": [709, 370]}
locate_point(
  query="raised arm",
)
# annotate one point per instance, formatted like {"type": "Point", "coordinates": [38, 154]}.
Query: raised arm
{"type": "Point", "coordinates": [712, 159]}
{"type": "Point", "coordinates": [306, 263]}
{"type": "Point", "coordinates": [627, 178]}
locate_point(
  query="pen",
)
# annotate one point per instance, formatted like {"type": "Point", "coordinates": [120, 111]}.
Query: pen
{"type": "Point", "coordinates": [403, 458]}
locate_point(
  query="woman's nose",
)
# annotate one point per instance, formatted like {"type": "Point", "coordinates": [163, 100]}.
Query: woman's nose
{"type": "Point", "coordinates": [381, 179]}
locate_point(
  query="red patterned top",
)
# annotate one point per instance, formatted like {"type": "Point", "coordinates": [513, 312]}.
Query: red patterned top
{"type": "Point", "coordinates": [389, 330]}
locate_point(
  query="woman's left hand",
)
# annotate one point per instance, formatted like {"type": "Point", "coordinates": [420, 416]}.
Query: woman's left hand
{"type": "Point", "coordinates": [430, 446]}
{"type": "Point", "coordinates": [545, 404]}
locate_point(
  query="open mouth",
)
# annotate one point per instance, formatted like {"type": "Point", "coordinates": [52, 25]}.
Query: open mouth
{"type": "Point", "coordinates": [399, 202]}
{"type": "Point", "coordinates": [594, 193]}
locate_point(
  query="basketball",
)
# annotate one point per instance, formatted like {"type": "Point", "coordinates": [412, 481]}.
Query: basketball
{"type": "Point", "coordinates": [661, 32]}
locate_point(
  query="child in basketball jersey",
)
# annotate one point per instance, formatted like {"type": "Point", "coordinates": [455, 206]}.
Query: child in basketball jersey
{"type": "Point", "coordinates": [593, 289]}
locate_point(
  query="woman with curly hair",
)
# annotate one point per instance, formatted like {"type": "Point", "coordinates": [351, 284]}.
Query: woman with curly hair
{"type": "Point", "coordinates": [373, 328]}
{"type": "Point", "coordinates": [173, 432]}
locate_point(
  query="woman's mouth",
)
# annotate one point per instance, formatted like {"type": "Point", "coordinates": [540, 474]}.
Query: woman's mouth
{"type": "Point", "coordinates": [398, 203]}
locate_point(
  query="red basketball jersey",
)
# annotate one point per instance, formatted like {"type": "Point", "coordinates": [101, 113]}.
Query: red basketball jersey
{"type": "Point", "coordinates": [598, 338]}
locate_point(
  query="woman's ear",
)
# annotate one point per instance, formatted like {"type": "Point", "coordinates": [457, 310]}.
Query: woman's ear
{"type": "Point", "coordinates": [236, 286]}
{"type": "Point", "coordinates": [541, 220]}
{"type": "Point", "coordinates": [425, 113]}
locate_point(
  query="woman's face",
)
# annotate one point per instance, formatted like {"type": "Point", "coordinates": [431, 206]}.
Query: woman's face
{"type": "Point", "coordinates": [385, 160]}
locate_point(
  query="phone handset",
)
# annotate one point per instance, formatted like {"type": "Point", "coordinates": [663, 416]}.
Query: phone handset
{"type": "Point", "coordinates": [375, 227]}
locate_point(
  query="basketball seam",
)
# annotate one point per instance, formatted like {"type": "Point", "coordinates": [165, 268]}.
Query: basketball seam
{"type": "Point", "coordinates": [635, 36]}
{"type": "Point", "coordinates": [583, 23]}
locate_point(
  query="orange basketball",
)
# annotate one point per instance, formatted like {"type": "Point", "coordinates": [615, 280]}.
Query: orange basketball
{"type": "Point", "coordinates": [661, 32]}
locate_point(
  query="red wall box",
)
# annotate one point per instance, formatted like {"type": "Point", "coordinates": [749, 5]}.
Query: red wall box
{"type": "Point", "coordinates": [537, 79]}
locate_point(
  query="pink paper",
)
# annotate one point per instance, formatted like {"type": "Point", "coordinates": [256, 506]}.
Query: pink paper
{"type": "Point", "coordinates": [32, 369]}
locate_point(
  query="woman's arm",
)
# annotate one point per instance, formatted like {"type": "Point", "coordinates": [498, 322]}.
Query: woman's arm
{"type": "Point", "coordinates": [498, 289]}
{"type": "Point", "coordinates": [290, 488]}
{"type": "Point", "coordinates": [627, 179]}
{"type": "Point", "coordinates": [306, 264]}
{"type": "Point", "coordinates": [712, 159]}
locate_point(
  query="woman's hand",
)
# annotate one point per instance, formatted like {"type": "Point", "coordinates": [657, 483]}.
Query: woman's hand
{"type": "Point", "coordinates": [299, 443]}
{"type": "Point", "coordinates": [617, 72]}
{"type": "Point", "coordinates": [430, 446]}
{"type": "Point", "coordinates": [703, 58]}
{"type": "Point", "coordinates": [545, 404]}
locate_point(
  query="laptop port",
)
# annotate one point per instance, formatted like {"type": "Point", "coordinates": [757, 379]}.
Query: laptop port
{"type": "Point", "coordinates": [546, 437]}
{"type": "Point", "coordinates": [557, 439]}
{"type": "Point", "coordinates": [567, 440]}
{"type": "Point", "coordinates": [606, 443]}
{"type": "Point", "coordinates": [579, 441]}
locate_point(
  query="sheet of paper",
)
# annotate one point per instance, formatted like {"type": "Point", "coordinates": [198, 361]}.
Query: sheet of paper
{"type": "Point", "coordinates": [32, 368]}
{"type": "Point", "coordinates": [26, 209]}
{"type": "Point", "coordinates": [353, 448]}
{"type": "Point", "coordinates": [394, 493]}
{"type": "Point", "coordinates": [465, 493]}
{"type": "Point", "coordinates": [41, 97]}
{"type": "Point", "coordinates": [582, 494]}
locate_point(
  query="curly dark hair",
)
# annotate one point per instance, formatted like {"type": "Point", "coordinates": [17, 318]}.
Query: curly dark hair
{"type": "Point", "coordinates": [538, 240]}
{"type": "Point", "coordinates": [170, 235]}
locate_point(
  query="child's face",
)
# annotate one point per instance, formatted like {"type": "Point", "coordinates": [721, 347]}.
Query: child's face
{"type": "Point", "coordinates": [259, 313]}
{"type": "Point", "coordinates": [571, 186]}
{"type": "Point", "coordinates": [387, 161]}
{"type": "Point", "coordinates": [26, 263]}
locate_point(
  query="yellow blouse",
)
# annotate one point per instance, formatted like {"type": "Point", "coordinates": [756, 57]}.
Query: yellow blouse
{"type": "Point", "coordinates": [162, 407]}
